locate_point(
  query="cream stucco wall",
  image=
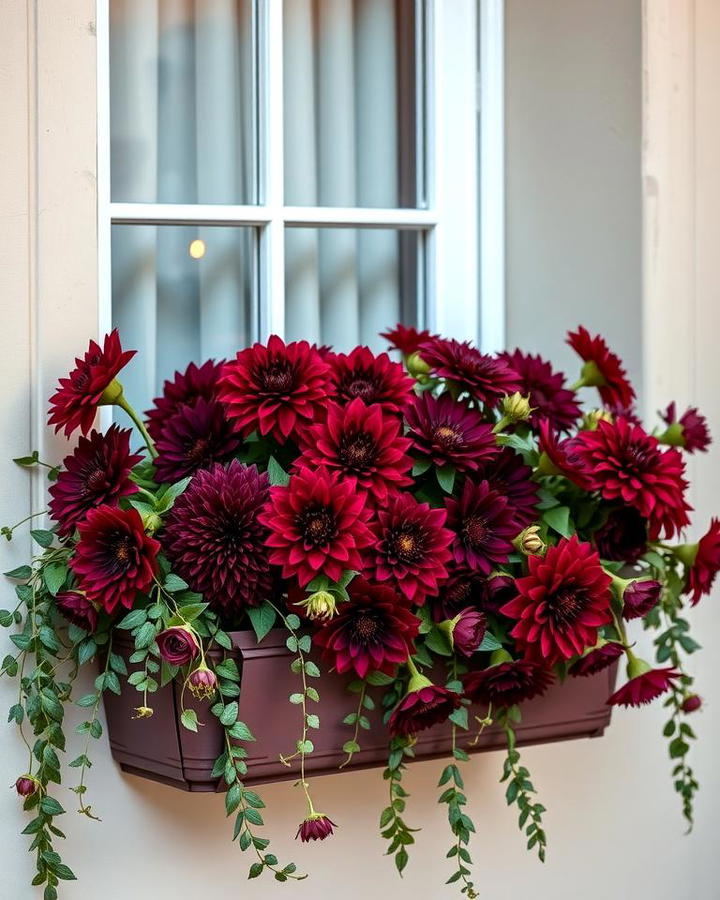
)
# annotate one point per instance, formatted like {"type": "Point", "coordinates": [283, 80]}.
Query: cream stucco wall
{"type": "Point", "coordinates": [613, 821]}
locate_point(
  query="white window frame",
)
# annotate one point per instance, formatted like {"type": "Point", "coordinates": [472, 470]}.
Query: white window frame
{"type": "Point", "coordinates": [449, 221]}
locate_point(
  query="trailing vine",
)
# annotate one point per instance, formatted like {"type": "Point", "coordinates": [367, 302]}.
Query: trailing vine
{"type": "Point", "coordinates": [520, 788]}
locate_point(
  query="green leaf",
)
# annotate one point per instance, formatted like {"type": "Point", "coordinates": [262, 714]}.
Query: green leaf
{"type": "Point", "coordinates": [262, 619]}
{"type": "Point", "coordinates": [50, 806]}
{"type": "Point", "coordinates": [489, 643]}
{"type": "Point", "coordinates": [379, 679]}
{"type": "Point", "coordinates": [460, 717]}
{"type": "Point", "coordinates": [232, 799]}
{"type": "Point", "coordinates": [27, 460]}
{"type": "Point", "coordinates": [145, 636]}
{"type": "Point", "coordinates": [352, 747]}
{"type": "Point", "coordinates": [240, 732]}
{"type": "Point", "coordinates": [134, 618]}
{"type": "Point", "coordinates": [293, 621]}
{"type": "Point", "coordinates": [96, 729]}
{"type": "Point", "coordinates": [174, 583]}
{"type": "Point", "coordinates": [22, 573]}
{"type": "Point", "coordinates": [446, 478]}
{"type": "Point", "coordinates": [312, 694]}
{"type": "Point", "coordinates": [253, 816]}
{"type": "Point", "coordinates": [276, 474]}
{"type": "Point", "coordinates": [191, 611]}
{"type": "Point", "coordinates": [189, 719]}
{"type": "Point", "coordinates": [420, 466]}
{"type": "Point", "coordinates": [296, 698]}
{"type": "Point", "coordinates": [312, 720]}
{"type": "Point", "coordinates": [228, 669]}
{"type": "Point", "coordinates": [437, 641]}
{"type": "Point", "coordinates": [255, 870]}
{"type": "Point", "coordinates": [88, 700]}
{"type": "Point", "coordinates": [42, 537]}
{"type": "Point", "coordinates": [229, 715]}
{"type": "Point", "coordinates": [558, 519]}
{"type": "Point", "coordinates": [311, 669]}
{"type": "Point", "coordinates": [167, 500]}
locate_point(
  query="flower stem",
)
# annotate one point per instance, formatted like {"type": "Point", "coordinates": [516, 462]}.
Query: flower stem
{"type": "Point", "coordinates": [124, 405]}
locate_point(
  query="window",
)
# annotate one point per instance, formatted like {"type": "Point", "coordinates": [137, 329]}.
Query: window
{"type": "Point", "coordinates": [304, 167]}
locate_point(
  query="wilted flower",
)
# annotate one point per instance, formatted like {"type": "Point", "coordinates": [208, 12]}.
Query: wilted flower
{"type": "Point", "coordinates": [316, 827]}
{"type": "Point", "coordinates": [76, 608]}
{"type": "Point", "coordinates": [597, 658]}
{"type": "Point", "coordinates": [644, 684]}
{"type": "Point", "coordinates": [143, 712]}
{"type": "Point", "coordinates": [425, 704]}
{"type": "Point", "coordinates": [202, 682]}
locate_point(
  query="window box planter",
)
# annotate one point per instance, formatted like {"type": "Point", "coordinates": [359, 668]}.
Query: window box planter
{"type": "Point", "coordinates": [161, 750]}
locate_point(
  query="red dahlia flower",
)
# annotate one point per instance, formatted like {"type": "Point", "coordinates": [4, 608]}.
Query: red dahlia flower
{"type": "Point", "coordinates": [602, 368]}
{"type": "Point", "coordinates": [623, 537]}
{"type": "Point", "coordinates": [425, 704]}
{"type": "Point", "coordinates": [195, 382]}
{"type": "Point", "coordinates": [550, 399]}
{"type": "Point", "coordinates": [318, 524]}
{"type": "Point", "coordinates": [597, 659]}
{"type": "Point", "coordinates": [362, 443]}
{"type": "Point", "coordinates": [214, 539]}
{"type": "Point", "coordinates": [639, 597]}
{"type": "Point", "coordinates": [690, 431]}
{"type": "Point", "coordinates": [406, 340]}
{"type": "Point", "coordinates": [275, 389]}
{"type": "Point", "coordinates": [372, 379]}
{"type": "Point", "coordinates": [497, 591]}
{"type": "Point", "coordinates": [410, 547]}
{"type": "Point", "coordinates": [702, 562]}
{"type": "Point", "coordinates": [625, 463]}
{"type": "Point", "coordinates": [561, 603]}
{"type": "Point", "coordinates": [315, 828]}
{"type": "Point", "coordinates": [76, 608]}
{"type": "Point", "coordinates": [462, 588]}
{"type": "Point", "coordinates": [509, 476]}
{"type": "Point", "coordinates": [484, 526]}
{"type": "Point", "coordinates": [484, 377]}
{"type": "Point", "coordinates": [75, 402]}
{"type": "Point", "coordinates": [114, 559]}
{"type": "Point", "coordinates": [95, 473]}
{"type": "Point", "coordinates": [372, 632]}
{"type": "Point", "coordinates": [507, 682]}
{"type": "Point", "coordinates": [447, 432]}
{"type": "Point", "coordinates": [197, 436]}
{"type": "Point", "coordinates": [645, 684]}
{"type": "Point", "coordinates": [560, 457]}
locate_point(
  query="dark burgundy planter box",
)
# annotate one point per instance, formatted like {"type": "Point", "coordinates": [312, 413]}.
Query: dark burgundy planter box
{"type": "Point", "coordinates": [159, 748]}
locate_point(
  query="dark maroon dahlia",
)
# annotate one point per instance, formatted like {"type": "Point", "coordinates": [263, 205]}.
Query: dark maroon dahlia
{"type": "Point", "coordinates": [426, 704]}
{"type": "Point", "coordinates": [214, 538]}
{"type": "Point", "coordinates": [462, 588]}
{"type": "Point", "coordinates": [468, 631]}
{"type": "Point", "coordinates": [624, 463]}
{"type": "Point", "coordinates": [484, 525]}
{"type": "Point", "coordinates": [447, 432]}
{"type": "Point", "coordinates": [597, 659]}
{"type": "Point", "coordinates": [560, 457]}
{"type": "Point", "coordinates": [77, 609]}
{"type": "Point", "coordinates": [485, 378]}
{"type": "Point", "coordinates": [186, 387]}
{"type": "Point", "coordinates": [95, 473]}
{"type": "Point", "coordinates": [507, 683]}
{"type": "Point", "coordinates": [704, 562]}
{"type": "Point", "coordinates": [508, 475]}
{"type": "Point", "coordinates": [318, 524]}
{"type": "Point", "coordinates": [639, 597]}
{"type": "Point", "coordinates": [550, 398]}
{"type": "Point", "coordinates": [406, 339]}
{"type": "Point", "coordinates": [198, 435]}
{"type": "Point", "coordinates": [561, 603]}
{"type": "Point", "coordinates": [370, 378]}
{"type": "Point", "coordinates": [372, 632]}
{"type": "Point", "coordinates": [410, 547]}
{"type": "Point", "coordinates": [497, 590]}
{"type": "Point", "coordinates": [277, 389]}
{"type": "Point", "coordinates": [75, 402]}
{"type": "Point", "coordinates": [114, 559]}
{"type": "Point", "coordinates": [602, 368]}
{"type": "Point", "coordinates": [690, 431]}
{"type": "Point", "coordinates": [623, 536]}
{"type": "Point", "coordinates": [644, 687]}
{"type": "Point", "coordinates": [362, 443]}
{"type": "Point", "coordinates": [316, 827]}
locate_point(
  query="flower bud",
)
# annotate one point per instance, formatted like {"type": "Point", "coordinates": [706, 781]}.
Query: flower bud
{"type": "Point", "coordinates": [639, 597]}
{"type": "Point", "coordinates": [143, 712]}
{"type": "Point", "coordinates": [417, 366]}
{"type": "Point", "coordinates": [691, 703]}
{"type": "Point", "coordinates": [319, 606]}
{"type": "Point", "coordinates": [529, 541]}
{"type": "Point", "coordinates": [202, 682]}
{"type": "Point", "coordinates": [468, 630]}
{"type": "Point", "coordinates": [592, 418]}
{"type": "Point", "coordinates": [26, 785]}
{"type": "Point", "coordinates": [516, 408]}
{"type": "Point", "coordinates": [178, 645]}
{"type": "Point", "coordinates": [152, 522]}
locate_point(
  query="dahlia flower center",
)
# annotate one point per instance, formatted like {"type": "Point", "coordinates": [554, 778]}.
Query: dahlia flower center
{"type": "Point", "coordinates": [406, 545]}
{"type": "Point", "coordinates": [96, 480]}
{"type": "Point", "coordinates": [361, 386]}
{"type": "Point", "coordinates": [120, 547]}
{"type": "Point", "coordinates": [277, 378]}
{"type": "Point", "coordinates": [358, 451]}
{"type": "Point", "coordinates": [366, 627]}
{"type": "Point", "coordinates": [448, 436]}
{"type": "Point", "coordinates": [318, 526]}
{"type": "Point", "coordinates": [198, 451]}
{"type": "Point", "coordinates": [639, 457]}
{"type": "Point", "coordinates": [475, 531]}
{"type": "Point", "coordinates": [566, 605]}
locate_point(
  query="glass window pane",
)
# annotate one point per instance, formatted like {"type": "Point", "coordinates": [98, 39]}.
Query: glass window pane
{"type": "Point", "coordinates": [182, 101]}
{"type": "Point", "coordinates": [344, 285]}
{"type": "Point", "coordinates": [352, 103]}
{"type": "Point", "coordinates": [181, 294]}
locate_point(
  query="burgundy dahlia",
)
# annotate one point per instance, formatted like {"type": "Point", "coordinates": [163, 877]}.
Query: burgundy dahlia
{"type": "Point", "coordinates": [626, 464]}
{"type": "Point", "coordinates": [76, 608]}
{"type": "Point", "coordinates": [468, 631]}
{"type": "Point", "coordinates": [114, 559]}
{"type": "Point", "coordinates": [410, 547]}
{"type": "Point", "coordinates": [623, 536]}
{"type": "Point", "coordinates": [484, 526]}
{"type": "Point", "coordinates": [186, 387]}
{"type": "Point", "coordinates": [75, 402]}
{"type": "Point", "coordinates": [644, 687]}
{"type": "Point", "coordinates": [690, 431]}
{"type": "Point", "coordinates": [462, 588]}
{"type": "Point", "coordinates": [315, 828]}
{"type": "Point", "coordinates": [560, 457]}
{"type": "Point", "coordinates": [705, 564]}
{"type": "Point", "coordinates": [549, 397]}
{"type": "Point", "coordinates": [372, 379]}
{"type": "Point", "coordinates": [485, 378]}
{"type": "Point", "coordinates": [561, 603]}
{"type": "Point", "coordinates": [177, 645]}
{"type": "Point", "coordinates": [372, 632]}
{"type": "Point", "coordinates": [363, 444]}
{"type": "Point", "coordinates": [406, 339]}
{"type": "Point", "coordinates": [497, 591]}
{"type": "Point", "coordinates": [95, 473]}
{"type": "Point", "coordinates": [196, 436]}
{"type": "Point", "coordinates": [597, 659]}
{"type": "Point", "coordinates": [318, 523]}
{"type": "Point", "coordinates": [508, 475]}
{"type": "Point", "coordinates": [214, 539]}
{"type": "Point", "coordinates": [447, 432]}
{"type": "Point", "coordinates": [508, 682]}
{"type": "Point", "coordinates": [276, 389]}
{"type": "Point", "coordinates": [426, 704]}
{"type": "Point", "coordinates": [602, 368]}
{"type": "Point", "coordinates": [639, 597]}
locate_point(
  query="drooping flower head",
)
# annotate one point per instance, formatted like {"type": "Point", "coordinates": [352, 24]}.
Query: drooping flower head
{"type": "Point", "coordinates": [372, 632]}
{"type": "Point", "coordinates": [689, 431]}
{"type": "Point", "coordinates": [196, 436]}
{"type": "Point", "coordinates": [274, 388]}
{"type": "Point", "coordinates": [702, 562]}
{"type": "Point", "coordinates": [602, 368]}
{"type": "Point", "coordinates": [560, 457]}
{"type": "Point", "coordinates": [483, 377]}
{"type": "Point", "coordinates": [75, 402]}
{"type": "Point", "coordinates": [77, 609]}
{"type": "Point", "coordinates": [484, 527]}
{"type": "Point", "coordinates": [425, 704]}
{"type": "Point", "coordinates": [186, 387]}
{"type": "Point", "coordinates": [410, 547]}
{"type": "Point", "coordinates": [202, 682]}
{"type": "Point", "coordinates": [645, 684]}
{"type": "Point", "coordinates": [561, 603]}
{"type": "Point", "coordinates": [363, 444]}
{"type": "Point", "coordinates": [406, 339]}
{"type": "Point", "coordinates": [550, 398]}
{"type": "Point", "coordinates": [623, 536]}
{"type": "Point", "coordinates": [95, 473]}
{"type": "Point", "coordinates": [318, 523]}
{"type": "Point", "coordinates": [639, 597]}
{"type": "Point", "coordinates": [447, 432]}
{"type": "Point", "coordinates": [507, 682]}
{"type": "Point", "coordinates": [508, 475]}
{"type": "Point", "coordinates": [370, 378]}
{"type": "Point", "coordinates": [214, 539]}
{"type": "Point", "coordinates": [114, 559]}
{"type": "Point", "coordinates": [626, 464]}
{"type": "Point", "coordinates": [316, 827]}
{"type": "Point", "coordinates": [597, 659]}
{"type": "Point", "coordinates": [468, 630]}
